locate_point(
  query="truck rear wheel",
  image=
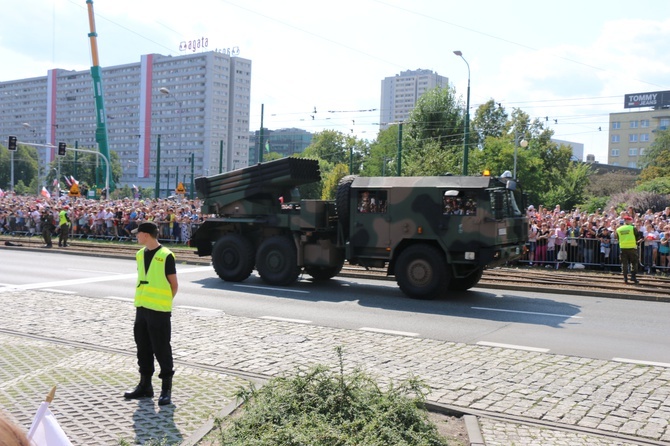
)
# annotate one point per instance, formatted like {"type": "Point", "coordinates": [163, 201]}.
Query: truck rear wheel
{"type": "Point", "coordinates": [323, 272]}
{"type": "Point", "coordinates": [465, 283]}
{"type": "Point", "coordinates": [421, 272]}
{"type": "Point", "coordinates": [233, 258]}
{"type": "Point", "coordinates": [277, 261]}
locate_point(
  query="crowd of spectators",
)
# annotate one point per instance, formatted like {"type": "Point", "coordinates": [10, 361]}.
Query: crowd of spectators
{"type": "Point", "coordinates": [557, 238]}
{"type": "Point", "coordinates": [107, 219]}
{"type": "Point", "coordinates": [578, 239]}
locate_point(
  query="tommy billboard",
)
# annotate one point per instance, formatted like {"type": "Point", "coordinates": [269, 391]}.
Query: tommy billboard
{"type": "Point", "coordinates": [656, 99]}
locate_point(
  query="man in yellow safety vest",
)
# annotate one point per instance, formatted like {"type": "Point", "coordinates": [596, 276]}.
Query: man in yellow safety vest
{"type": "Point", "coordinates": [156, 287]}
{"type": "Point", "coordinates": [628, 239]}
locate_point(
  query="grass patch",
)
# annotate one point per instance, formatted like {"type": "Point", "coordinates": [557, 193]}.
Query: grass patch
{"type": "Point", "coordinates": [322, 407]}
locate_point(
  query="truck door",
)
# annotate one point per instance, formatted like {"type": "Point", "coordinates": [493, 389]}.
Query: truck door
{"type": "Point", "coordinates": [371, 226]}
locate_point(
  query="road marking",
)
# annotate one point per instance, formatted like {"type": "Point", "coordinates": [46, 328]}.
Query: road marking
{"type": "Point", "coordinates": [635, 361]}
{"type": "Point", "coordinates": [106, 278]}
{"type": "Point", "coordinates": [526, 312]}
{"type": "Point", "coordinates": [288, 290]}
{"type": "Point", "coordinates": [512, 346]}
{"type": "Point", "coordinates": [92, 271]}
{"type": "Point", "coordinates": [52, 290]}
{"type": "Point", "coordinates": [284, 319]}
{"type": "Point", "coordinates": [391, 332]}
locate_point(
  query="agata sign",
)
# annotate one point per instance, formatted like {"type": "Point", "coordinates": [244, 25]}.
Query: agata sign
{"type": "Point", "coordinates": [655, 99]}
{"type": "Point", "coordinates": [194, 45]}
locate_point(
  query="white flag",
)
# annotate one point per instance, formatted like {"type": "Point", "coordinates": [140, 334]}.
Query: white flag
{"type": "Point", "coordinates": [45, 430]}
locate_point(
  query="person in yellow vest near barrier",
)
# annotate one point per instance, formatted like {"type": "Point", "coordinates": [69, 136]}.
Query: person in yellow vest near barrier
{"type": "Point", "coordinates": [64, 226]}
{"type": "Point", "coordinates": [156, 288]}
{"type": "Point", "coordinates": [628, 238]}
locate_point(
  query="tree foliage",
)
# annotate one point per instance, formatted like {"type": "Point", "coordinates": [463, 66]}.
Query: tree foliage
{"type": "Point", "coordinates": [25, 167]}
{"type": "Point", "coordinates": [383, 154]}
{"type": "Point", "coordinates": [656, 160]}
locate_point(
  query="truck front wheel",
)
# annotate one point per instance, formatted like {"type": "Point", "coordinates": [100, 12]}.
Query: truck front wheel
{"type": "Point", "coordinates": [465, 283]}
{"type": "Point", "coordinates": [233, 258]}
{"type": "Point", "coordinates": [421, 272]}
{"type": "Point", "coordinates": [277, 261]}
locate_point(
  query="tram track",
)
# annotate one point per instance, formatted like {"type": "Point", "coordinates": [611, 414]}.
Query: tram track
{"type": "Point", "coordinates": [541, 280]}
{"type": "Point", "coordinates": [431, 406]}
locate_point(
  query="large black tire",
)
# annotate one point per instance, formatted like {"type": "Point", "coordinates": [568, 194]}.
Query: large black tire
{"type": "Point", "coordinates": [233, 257]}
{"type": "Point", "coordinates": [421, 272]}
{"type": "Point", "coordinates": [465, 283]}
{"type": "Point", "coordinates": [323, 272]}
{"type": "Point", "coordinates": [277, 261]}
{"type": "Point", "coordinates": [342, 202]}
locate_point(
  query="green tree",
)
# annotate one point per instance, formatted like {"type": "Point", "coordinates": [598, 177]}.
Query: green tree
{"type": "Point", "coordinates": [434, 131]}
{"type": "Point", "coordinates": [331, 181]}
{"type": "Point", "coordinates": [656, 160]}
{"type": "Point", "coordinates": [383, 156]}
{"type": "Point", "coordinates": [490, 120]}
{"type": "Point", "coordinates": [25, 167]}
{"type": "Point", "coordinates": [84, 170]}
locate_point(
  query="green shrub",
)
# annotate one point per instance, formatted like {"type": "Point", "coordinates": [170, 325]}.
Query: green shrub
{"type": "Point", "coordinates": [321, 407]}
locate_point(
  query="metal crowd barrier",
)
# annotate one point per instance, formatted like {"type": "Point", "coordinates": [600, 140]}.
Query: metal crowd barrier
{"type": "Point", "coordinates": [87, 233]}
{"type": "Point", "coordinates": [590, 253]}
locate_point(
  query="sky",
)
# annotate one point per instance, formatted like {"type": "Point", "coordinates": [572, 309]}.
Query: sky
{"type": "Point", "coordinates": [568, 63]}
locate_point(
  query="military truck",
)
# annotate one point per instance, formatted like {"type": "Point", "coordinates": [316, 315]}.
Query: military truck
{"type": "Point", "coordinates": [434, 234]}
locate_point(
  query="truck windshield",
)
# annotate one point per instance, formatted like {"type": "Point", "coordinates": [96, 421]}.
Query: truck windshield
{"type": "Point", "coordinates": [509, 202]}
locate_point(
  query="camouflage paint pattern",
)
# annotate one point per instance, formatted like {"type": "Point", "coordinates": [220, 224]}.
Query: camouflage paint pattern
{"type": "Point", "coordinates": [383, 216]}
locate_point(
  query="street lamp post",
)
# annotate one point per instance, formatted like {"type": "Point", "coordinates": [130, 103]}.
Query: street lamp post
{"type": "Point", "coordinates": [466, 139]}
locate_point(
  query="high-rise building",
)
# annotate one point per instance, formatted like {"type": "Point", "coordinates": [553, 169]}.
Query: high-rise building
{"type": "Point", "coordinates": [400, 93]}
{"type": "Point", "coordinates": [196, 104]}
{"type": "Point", "coordinates": [632, 132]}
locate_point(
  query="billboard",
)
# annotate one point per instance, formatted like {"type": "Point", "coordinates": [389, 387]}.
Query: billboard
{"type": "Point", "coordinates": [656, 99]}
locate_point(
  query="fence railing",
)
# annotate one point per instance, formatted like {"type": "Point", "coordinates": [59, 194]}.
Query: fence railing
{"type": "Point", "coordinates": [178, 232]}
{"type": "Point", "coordinates": [590, 253]}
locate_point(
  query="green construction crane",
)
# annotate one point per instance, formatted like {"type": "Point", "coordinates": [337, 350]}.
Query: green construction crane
{"type": "Point", "coordinates": [101, 119]}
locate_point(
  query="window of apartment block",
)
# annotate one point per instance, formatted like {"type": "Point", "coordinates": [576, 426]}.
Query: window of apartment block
{"type": "Point", "coordinates": [644, 123]}
{"type": "Point", "coordinates": [632, 164]}
{"type": "Point", "coordinates": [641, 151]}
{"type": "Point", "coordinates": [632, 137]}
{"type": "Point", "coordinates": [632, 151]}
{"type": "Point", "coordinates": [616, 125]}
{"type": "Point", "coordinates": [615, 138]}
{"type": "Point", "coordinates": [644, 137]}
{"type": "Point", "coordinates": [664, 123]}
{"type": "Point", "coordinates": [633, 124]}
{"type": "Point", "coordinates": [615, 152]}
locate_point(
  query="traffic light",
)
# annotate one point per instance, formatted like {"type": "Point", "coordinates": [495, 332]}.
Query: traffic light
{"type": "Point", "coordinates": [61, 148]}
{"type": "Point", "coordinates": [12, 143]}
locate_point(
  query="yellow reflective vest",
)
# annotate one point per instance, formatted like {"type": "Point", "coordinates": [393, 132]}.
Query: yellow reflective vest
{"type": "Point", "coordinates": [626, 237]}
{"type": "Point", "coordinates": [153, 289]}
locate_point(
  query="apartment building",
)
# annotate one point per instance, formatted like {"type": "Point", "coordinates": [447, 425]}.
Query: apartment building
{"type": "Point", "coordinates": [400, 93]}
{"type": "Point", "coordinates": [633, 131]}
{"type": "Point", "coordinates": [198, 105]}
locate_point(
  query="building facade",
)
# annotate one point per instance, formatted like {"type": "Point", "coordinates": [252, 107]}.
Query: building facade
{"type": "Point", "coordinates": [286, 142]}
{"type": "Point", "coordinates": [197, 105]}
{"type": "Point", "coordinates": [632, 132]}
{"type": "Point", "coordinates": [401, 92]}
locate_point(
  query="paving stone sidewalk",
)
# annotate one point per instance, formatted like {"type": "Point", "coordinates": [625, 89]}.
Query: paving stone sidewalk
{"type": "Point", "coordinates": [596, 395]}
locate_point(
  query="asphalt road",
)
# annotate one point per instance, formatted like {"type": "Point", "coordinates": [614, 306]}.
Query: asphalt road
{"type": "Point", "coordinates": [592, 327]}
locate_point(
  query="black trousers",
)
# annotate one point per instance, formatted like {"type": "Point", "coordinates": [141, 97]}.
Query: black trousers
{"type": "Point", "coordinates": [153, 330]}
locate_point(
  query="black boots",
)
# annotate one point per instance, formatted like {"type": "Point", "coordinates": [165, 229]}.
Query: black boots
{"type": "Point", "coordinates": [143, 389]}
{"type": "Point", "coordinates": [166, 390]}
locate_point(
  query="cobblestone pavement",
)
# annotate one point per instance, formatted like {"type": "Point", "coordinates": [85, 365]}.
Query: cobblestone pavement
{"type": "Point", "coordinates": [85, 346]}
